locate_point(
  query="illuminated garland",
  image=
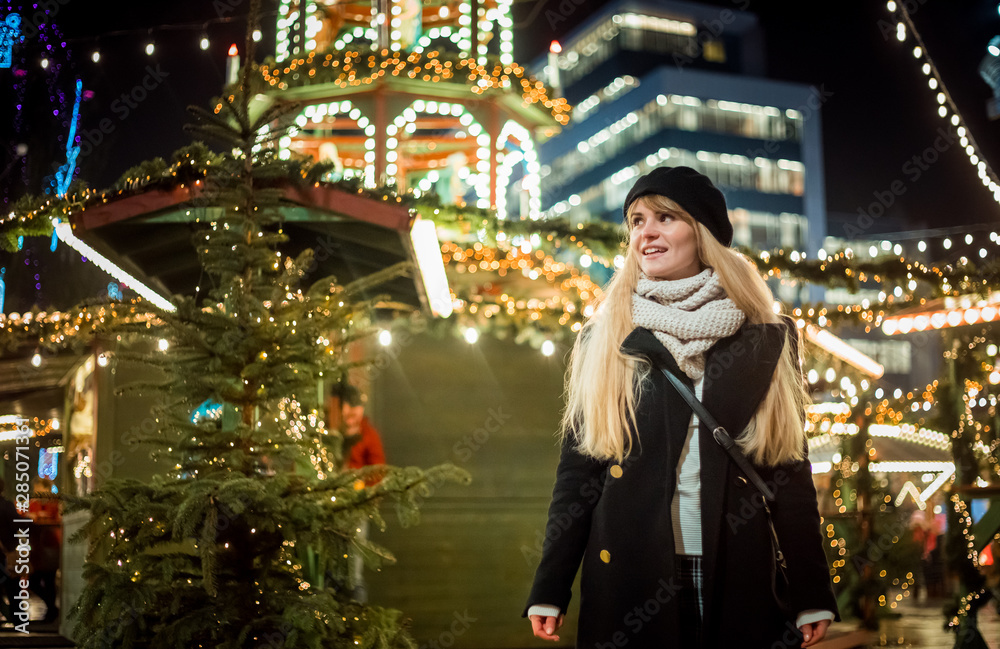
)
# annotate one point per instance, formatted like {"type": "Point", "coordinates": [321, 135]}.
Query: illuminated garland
{"type": "Point", "coordinates": [39, 427]}
{"type": "Point", "coordinates": [596, 242]}
{"type": "Point", "coordinates": [558, 317]}
{"type": "Point", "coordinates": [947, 108]}
{"type": "Point", "coordinates": [966, 602]}
{"type": "Point", "coordinates": [355, 69]}
{"type": "Point", "coordinates": [57, 331]}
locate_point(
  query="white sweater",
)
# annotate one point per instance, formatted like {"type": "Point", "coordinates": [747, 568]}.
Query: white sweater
{"type": "Point", "coordinates": [685, 510]}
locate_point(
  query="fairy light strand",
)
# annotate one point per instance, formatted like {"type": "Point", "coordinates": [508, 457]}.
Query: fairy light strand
{"type": "Point", "coordinates": [945, 100]}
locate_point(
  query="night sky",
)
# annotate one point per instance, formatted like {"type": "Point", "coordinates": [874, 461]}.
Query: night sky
{"type": "Point", "coordinates": [881, 112]}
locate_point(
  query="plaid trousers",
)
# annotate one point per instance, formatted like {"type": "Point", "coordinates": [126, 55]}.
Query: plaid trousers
{"type": "Point", "coordinates": [691, 608]}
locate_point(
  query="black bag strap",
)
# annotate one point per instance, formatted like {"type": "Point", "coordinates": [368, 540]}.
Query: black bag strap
{"type": "Point", "coordinates": [721, 436]}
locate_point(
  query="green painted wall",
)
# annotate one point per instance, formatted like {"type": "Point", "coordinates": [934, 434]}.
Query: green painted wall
{"type": "Point", "coordinates": [491, 408]}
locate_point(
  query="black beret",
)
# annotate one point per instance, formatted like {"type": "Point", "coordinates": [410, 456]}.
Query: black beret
{"type": "Point", "coordinates": [692, 191]}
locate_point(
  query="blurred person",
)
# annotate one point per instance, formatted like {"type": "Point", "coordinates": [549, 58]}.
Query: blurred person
{"type": "Point", "coordinates": [362, 442]}
{"type": "Point", "coordinates": [362, 448]}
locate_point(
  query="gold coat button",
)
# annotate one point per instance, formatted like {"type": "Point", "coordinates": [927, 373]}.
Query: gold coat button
{"type": "Point", "coordinates": [605, 556]}
{"type": "Point", "coordinates": [616, 471]}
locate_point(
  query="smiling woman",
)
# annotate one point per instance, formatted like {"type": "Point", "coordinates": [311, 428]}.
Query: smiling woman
{"type": "Point", "coordinates": [687, 305]}
{"type": "Point", "coordinates": [663, 239]}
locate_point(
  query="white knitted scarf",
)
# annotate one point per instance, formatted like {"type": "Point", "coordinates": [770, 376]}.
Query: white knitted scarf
{"type": "Point", "coordinates": [687, 315]}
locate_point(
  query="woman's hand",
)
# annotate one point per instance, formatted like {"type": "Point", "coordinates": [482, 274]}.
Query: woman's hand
{"type": "Point", "coordinates": [545, 626]}
{"type": "Point", "coordinates": [811, 633]}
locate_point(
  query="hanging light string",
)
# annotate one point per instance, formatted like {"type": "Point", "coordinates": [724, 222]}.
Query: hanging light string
{"type": "Point", "coordinates": [944, 98]}
{"type": "Point", "coordinates": [146, 33]}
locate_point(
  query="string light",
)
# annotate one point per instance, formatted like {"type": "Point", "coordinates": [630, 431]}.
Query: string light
{"type": "Point", "coordinates": [975, 311]}
{"type": "Point", "coordinates": [65, 232]}
{"type": "Point", "coordinates": [10, 426]}
{"type": "Point", "coordinates": [355, 70]}
{"type": "Point", "coordinates": [947, 108]}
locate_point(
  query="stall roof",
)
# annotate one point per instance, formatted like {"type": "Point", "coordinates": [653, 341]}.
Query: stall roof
{"type": "Point", "coordinates": [150, 236]}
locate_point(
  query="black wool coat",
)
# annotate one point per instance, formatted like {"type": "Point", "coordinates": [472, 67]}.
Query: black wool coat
{"type": "Point", "coordinates": [617, 518]}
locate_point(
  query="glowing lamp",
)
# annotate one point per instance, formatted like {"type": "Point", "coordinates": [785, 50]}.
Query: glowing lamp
{"type": "Point", "coordinates": [843, 351]}
{"type": "Point", "coordinates": [821, 467]}
{"type": "Point", "coordinates": [66, 235]}
{"type": "Point", "coordinates": [427, 250]}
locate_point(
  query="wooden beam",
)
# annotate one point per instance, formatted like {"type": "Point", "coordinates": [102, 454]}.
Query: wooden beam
{"type": "Point", "coordinates": [123, 209]}
{"type": "Point", "coordinates": [386, 214]}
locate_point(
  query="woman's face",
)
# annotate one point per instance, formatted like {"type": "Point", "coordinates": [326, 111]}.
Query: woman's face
{"type": "Point", "coordinates": [663, 242]}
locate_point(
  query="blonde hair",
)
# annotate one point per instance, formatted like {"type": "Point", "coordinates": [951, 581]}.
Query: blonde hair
{"type": "Point", "coordinates": [603, 383]}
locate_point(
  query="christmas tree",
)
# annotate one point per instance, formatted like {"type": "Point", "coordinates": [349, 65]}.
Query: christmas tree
{"type": "Point", "coordinates": [245, 540]}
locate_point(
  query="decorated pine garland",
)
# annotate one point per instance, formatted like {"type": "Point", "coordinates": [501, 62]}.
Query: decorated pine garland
{"type": "Point", "coordinates": [354, 68]}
